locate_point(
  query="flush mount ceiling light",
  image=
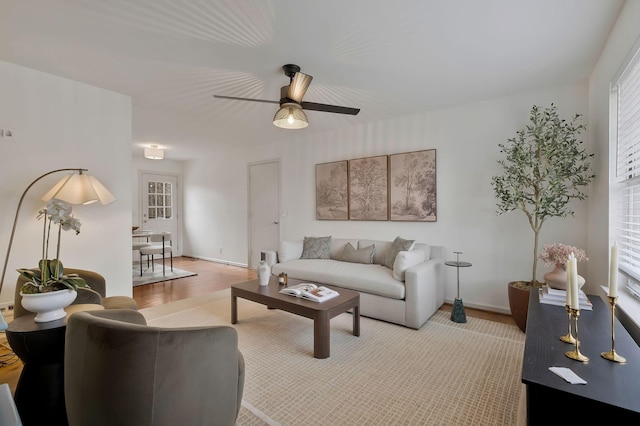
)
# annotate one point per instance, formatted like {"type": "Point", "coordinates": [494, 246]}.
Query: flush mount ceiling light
{"type": "Point", "coordinates": [290, 116]}
{"type": "Point", "coordinates": [154, 153]}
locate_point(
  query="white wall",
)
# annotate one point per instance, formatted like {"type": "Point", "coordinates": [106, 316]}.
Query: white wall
{"type": "Point", "coordinates": [466, 138]}
{"type": "Point", "coordinates": [58, 123]}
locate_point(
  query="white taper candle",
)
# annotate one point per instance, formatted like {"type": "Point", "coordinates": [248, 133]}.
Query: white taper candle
{"type": "Point", "coordinates": [613, 272]}
{"type": "Point", "coordinates": [574, 283]}
{"type": "Point", "coordinates": [567, 268]}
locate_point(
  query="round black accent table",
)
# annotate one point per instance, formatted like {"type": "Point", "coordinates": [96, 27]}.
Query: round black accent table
{"type": "Point", "coordinates": [457, 313]}
{"type": "Point", "coordinates": [39, 394]}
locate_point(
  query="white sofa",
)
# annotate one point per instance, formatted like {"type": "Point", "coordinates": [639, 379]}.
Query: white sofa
{"type": "Point", "coordinates": [409, 294]}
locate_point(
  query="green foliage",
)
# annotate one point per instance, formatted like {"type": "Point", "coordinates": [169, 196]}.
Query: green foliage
{"type": "Point", "coordinates": [48, 277]}
{"type": "Point", "coordinates": [544, 168]}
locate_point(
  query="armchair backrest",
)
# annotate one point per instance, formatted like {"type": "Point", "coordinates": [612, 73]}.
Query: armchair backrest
{"type": "Point", "coordinates": [120, 371]}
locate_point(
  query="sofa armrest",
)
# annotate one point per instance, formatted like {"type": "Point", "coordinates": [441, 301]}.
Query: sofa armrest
{"type": "Point", "coordinates": [424, 291]}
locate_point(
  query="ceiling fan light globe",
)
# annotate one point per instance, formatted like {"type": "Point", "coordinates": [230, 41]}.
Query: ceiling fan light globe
{"type": "Point", "coordinates": [290, 116]}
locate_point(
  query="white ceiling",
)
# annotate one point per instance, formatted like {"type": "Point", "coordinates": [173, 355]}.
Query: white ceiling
{"type": "Point", "coordinates": [389, 58]}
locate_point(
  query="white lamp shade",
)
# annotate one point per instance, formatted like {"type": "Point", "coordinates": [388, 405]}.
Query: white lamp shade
{"type": "Point", "coordinates": [154, 153]}
{"type": "Point", "coordinates": [290, 116]}
{"type": "Point", "coordinates": [79, 189]}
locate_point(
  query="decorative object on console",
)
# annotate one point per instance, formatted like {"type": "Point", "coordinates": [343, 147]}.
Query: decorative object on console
{"type": "Point", "coordinates": [557, 255]}
{"type": "Point", "coordinates": [412, 181]}
{"type": "Point", "coordinates": [264, 272]}
{"type": "Point", "coordinates": [80, 188]}
{"type": "Point", "coordinates": [331, 191]}
{"type": "Point", "coordinates": [545, 158]}
{"type": "Point", "coordinates": [368, 189]}
{"type": "Point", "coordinates": [613, 299]}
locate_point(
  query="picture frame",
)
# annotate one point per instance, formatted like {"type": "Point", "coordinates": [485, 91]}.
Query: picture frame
{"type": "Point", "coordinates": [332, 195]}
{"type": "Point", "coordinates": [369, 188]}
{"type": "Point", "coordinates": [412, 186]}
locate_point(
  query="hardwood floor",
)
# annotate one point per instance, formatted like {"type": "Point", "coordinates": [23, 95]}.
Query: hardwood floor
{"type": "Point", "coordinates": [211, 277]}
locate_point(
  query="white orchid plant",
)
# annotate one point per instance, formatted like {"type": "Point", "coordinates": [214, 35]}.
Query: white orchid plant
{"type": "Point", "coordinates": [50, 276]}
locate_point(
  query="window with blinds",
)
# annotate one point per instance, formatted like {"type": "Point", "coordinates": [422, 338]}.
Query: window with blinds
{"type": "Point", "coordinates": [626, 130]}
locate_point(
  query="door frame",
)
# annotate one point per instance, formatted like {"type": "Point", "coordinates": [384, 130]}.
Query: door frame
{"type": "Point", "coordinates": [280, 216]}
{"type": "Point", "coordinates": [177, 239]}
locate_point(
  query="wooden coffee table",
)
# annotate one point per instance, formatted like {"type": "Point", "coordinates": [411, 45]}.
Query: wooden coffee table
{"type": "Point", "coordinates": [320, 312]}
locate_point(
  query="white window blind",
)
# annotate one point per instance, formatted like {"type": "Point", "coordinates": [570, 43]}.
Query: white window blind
{"type": "Point", "coordinates": [627, 132]}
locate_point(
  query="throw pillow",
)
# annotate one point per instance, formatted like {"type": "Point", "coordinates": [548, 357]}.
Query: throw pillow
{"type": "Point", "coordinates": [353, 255]}
{"type": "Point", "coordinates": [289, 250]}
{"type": "Point", "coordinates": [404, 261]}
{"type": "Point", "coordinates": [398, 245]}
{"type": "Point", "coordinates": [316, 248]}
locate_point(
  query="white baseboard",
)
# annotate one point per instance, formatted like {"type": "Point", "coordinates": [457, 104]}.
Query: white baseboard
{"type": "Point", "coordinates": [6, 305]}
{"type": "Point", "coordinates": [225, 262]}
{"type": "Point", "coordinates": [482, 307]}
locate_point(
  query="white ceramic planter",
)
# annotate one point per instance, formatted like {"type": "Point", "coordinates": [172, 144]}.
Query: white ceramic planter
{"type": "Point", "coordinates": [48, 306]}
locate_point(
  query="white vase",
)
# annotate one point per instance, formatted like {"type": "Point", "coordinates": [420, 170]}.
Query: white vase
{"type": "Point", "coordinates": [558, 278]}
{"type": "Point", "coordinates": [264, 272]}
{"type": "Point", "coordinates": [48, 306]}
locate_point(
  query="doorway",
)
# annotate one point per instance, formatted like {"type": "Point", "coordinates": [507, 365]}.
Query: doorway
{"type": "Point", "coordinates": [159, 206]}
{"type": "Point", "coordinates": [264, 209]}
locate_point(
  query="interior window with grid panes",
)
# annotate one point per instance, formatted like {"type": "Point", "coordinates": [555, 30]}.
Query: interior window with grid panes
{"type": "Point", "coordinates": [159, 196]}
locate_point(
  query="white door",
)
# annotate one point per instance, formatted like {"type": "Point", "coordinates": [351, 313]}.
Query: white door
{"type": "Point", "coordinates": [264, 209]}
{"type": "Point", "coordinates": [159, 205]}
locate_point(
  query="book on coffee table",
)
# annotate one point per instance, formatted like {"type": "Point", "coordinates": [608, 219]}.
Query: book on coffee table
{"type": "Point", "coordinates": [310, 291]}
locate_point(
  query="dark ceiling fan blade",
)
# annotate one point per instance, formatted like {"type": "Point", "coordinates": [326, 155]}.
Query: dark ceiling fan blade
{"type": "Point", "coordinates": [246, 99]}
{"type": "Point", "coordinates": [299, 85]}
{"type": "Point", "coordinates": [312, 106]}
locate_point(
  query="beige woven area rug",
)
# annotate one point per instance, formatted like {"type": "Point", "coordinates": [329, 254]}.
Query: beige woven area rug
{"type": "Point", "coordinates": [443, 374]}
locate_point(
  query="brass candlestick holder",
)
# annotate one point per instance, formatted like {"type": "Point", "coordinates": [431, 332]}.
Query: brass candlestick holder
{"type": "Point", "coordinates": [612, 355]}
{"type": "Point", "coordinates": [568, 338]}
{"type": "Point", "coordinates": [575, 354]}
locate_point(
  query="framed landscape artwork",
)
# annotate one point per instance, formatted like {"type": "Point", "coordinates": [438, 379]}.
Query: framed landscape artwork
{"type": "Point", "coordinates": [331, 191]}
{"type": "Point", "coordinates": [368, 188]}
{"type": "Point", "coordinates": [413, 186]}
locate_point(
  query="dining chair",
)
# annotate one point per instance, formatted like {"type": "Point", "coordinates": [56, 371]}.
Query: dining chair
{"type": "Point", "coordinates": [160, 244]}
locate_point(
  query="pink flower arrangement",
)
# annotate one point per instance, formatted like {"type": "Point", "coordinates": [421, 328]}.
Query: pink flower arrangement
{"type": "Point", "coordinates": [558, 254]}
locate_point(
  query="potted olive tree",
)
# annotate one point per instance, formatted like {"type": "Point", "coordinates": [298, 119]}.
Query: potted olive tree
{"type": "Point", "coordinates": [544, 168]}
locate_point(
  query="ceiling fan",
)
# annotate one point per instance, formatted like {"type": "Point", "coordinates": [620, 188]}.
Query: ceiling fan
{"type": "Point", "coordinates": [291, 114]}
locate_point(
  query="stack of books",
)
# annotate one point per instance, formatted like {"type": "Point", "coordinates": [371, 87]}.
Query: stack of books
{"type": "Point", "coordinates": [554, 296]}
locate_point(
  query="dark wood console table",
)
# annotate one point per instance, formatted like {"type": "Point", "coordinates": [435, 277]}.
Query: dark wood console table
{"type": "Point", "coordinates": [612, 391]}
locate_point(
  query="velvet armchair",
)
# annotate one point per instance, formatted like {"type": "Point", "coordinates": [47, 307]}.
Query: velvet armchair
{"type": "Point", "coordinates": [120, 371]}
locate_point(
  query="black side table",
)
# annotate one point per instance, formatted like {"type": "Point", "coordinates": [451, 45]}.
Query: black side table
{"type": "Point", "coordinates": [457, 313]}
{"type": "Point", "coordinates": [39, 394]}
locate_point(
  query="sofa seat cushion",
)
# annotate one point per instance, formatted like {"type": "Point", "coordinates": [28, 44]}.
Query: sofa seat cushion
{"type": "Point", "coordinates": [366, 278]}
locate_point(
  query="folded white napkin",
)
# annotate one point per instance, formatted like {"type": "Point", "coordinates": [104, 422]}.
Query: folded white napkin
{"type": "Point", "coordinates": [568, 375]}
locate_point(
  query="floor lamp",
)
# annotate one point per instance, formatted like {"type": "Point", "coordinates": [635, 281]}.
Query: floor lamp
{"type": "Point", "coordinates": [75, 188]}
